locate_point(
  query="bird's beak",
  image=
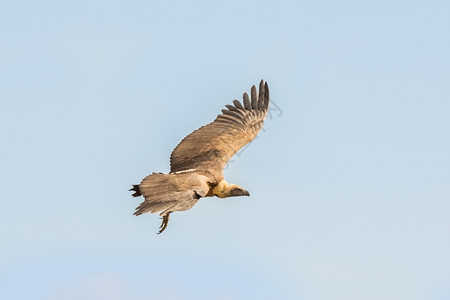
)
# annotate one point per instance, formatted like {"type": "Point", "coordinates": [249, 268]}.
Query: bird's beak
{"type": "Point", "coordinates": [238, 192]}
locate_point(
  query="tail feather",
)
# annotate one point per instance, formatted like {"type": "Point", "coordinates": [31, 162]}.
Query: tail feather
{"type": "Point", "coordinates": [136, 189]}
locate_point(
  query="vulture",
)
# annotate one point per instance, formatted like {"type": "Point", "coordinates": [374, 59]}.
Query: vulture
{"type": "Point", "coordinates": [197, 163]}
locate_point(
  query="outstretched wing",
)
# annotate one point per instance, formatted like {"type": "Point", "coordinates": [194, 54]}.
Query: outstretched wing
{"type": "Point", "coordinates": [209, 148]}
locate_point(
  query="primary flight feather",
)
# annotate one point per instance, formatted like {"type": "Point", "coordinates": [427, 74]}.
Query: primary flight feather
{"type": "Point", "coordinates": [197, 163]}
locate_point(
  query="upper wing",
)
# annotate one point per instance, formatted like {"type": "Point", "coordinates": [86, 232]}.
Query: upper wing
{"type": "Point", "coordinates": [209, 148]}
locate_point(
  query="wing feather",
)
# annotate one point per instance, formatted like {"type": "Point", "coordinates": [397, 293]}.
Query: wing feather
{"type": "Point", "coordinates": [238, 104]}
{"type": "Point", "coordinates": [231, 108]}
{"type": "Point", "coordinates": [261, 95]}
{"type": "Point", "coordinates": [254, 98]}
{"type": "Point", "coordinates": [247, 103]}
{"type": "Point", "coordinates": [209, 148]}
{"type": "Point", "coordinates": [235, 113]}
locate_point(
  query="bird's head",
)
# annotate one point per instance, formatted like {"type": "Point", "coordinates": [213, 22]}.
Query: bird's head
{"type": "Point", "coordinates": [224, 190]}
{"type": "Point", "coordinates": [236, 190]}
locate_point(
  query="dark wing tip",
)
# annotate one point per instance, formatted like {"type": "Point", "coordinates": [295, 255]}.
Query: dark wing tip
{"type": "Point", "coordinates": [238, 104]}
{"type": "Point", "coordinates": [266, 96]}
{"type": "Point", "coordinates": [230, 107]}
{"type": "Point", "coordinates": [254, 98]}
{"type": "Point", "coordinates": [261, 95]}
{"type": "Point", "coordinates": [247, 103]}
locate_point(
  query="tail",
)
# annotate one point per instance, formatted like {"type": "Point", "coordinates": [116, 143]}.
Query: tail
{"type": "Point", "coordinates": [136, 189]}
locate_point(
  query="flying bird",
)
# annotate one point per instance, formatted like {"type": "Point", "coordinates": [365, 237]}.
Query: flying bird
{"type": "Point", "coordinates": [197, 163]}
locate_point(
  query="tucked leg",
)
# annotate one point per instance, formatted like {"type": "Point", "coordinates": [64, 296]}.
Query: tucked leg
{"type": "Point", "coordinates": [164, 223]}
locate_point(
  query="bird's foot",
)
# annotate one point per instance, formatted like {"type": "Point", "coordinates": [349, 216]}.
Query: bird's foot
{"type": "Point", "coordinates": [164, 223]}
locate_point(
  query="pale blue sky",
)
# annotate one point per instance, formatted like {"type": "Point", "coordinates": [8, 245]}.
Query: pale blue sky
{"type": "Point", "coordinates": [350, 193]}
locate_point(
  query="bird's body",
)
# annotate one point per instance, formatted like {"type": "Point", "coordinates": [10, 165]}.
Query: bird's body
{"type": "Point", "coordinates": [197, 162]}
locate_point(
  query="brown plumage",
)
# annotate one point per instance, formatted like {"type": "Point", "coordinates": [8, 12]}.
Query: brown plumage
{"type": "Point", "coordinates": [196, 164]}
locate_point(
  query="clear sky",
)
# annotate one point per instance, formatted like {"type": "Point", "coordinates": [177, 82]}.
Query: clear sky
{"type": "Point", "coordinates": [349, 181]}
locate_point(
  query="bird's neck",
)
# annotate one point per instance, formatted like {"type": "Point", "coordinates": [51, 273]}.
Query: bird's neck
{"type": "Point", "coordinates": [223, 189]}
